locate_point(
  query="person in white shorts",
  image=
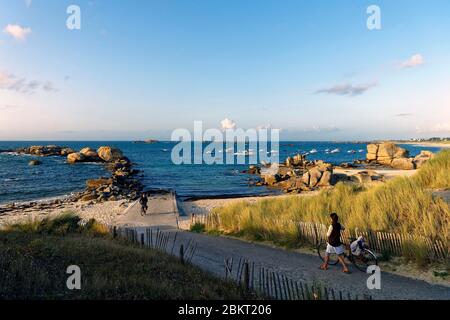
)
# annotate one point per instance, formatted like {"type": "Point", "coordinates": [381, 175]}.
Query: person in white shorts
{"type": "Point", "coordinates": [334, 244]}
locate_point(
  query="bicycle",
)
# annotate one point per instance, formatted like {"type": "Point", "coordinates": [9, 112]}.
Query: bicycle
{"type": "Point", "coordinates": [362, 261]}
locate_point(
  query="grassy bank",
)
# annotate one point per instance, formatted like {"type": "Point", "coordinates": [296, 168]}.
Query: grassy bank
{"type": "Point", "coordinates": [402, 205]}
{"type": "Point", "coordinates": [34, 258]}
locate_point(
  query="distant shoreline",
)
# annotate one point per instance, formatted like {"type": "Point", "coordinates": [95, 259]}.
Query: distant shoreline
{"type": "Point", "coordinates": [427, 144]}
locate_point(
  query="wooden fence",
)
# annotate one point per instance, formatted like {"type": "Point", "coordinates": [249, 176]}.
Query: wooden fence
{"type": "Point", "coordinates": [271, 284]}
{"type": "Point", "coordinates": [381, 242]}
{"type": "Point", "coordinates": [262, 281]}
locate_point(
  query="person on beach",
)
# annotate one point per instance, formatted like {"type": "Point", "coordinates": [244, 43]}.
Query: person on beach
{"type": "Point", "coordinates": [143, 200]}
{"type": "Point", "coordinates": [334, 244]}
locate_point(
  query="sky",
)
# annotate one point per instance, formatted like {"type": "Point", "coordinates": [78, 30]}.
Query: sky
{"type": "Point", "coordinates": [140, 69]}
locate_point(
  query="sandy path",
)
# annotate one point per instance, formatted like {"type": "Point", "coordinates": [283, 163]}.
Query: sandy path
{"type": "Point", "coordinates": [211, 251]}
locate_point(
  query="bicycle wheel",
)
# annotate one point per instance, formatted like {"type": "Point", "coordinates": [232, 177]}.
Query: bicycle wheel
{"type": "Point", "coordinates": [364, 260]}
{"type": "Point", "coordinates": [321, 251]}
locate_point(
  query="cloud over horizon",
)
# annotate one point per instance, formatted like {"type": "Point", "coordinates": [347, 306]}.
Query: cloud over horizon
{"type": "Point", "coordinates": [227, 124]}
{"type": "Point", "coordinates": [414, 61]}
{"type": "Point", "coordinates": [22, 85]}
{"type": "Point", "coordinates": [348, 89]}
{"type": "Point", "coordinates": [16, 31]}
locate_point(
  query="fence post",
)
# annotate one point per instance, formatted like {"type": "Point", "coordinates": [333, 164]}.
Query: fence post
{"type": "Point", "coordinates": [246, 277]}
{"type": "Point", "coordinates": [114, 232]}
{"type": "Point", "coordinates": [142, 239]}
{"type": "Point", "coordinates": [182, 254]}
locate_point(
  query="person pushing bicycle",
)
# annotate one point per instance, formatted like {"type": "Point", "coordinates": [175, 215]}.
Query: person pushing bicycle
{"type": "Point", "coordinates": [334, 244]}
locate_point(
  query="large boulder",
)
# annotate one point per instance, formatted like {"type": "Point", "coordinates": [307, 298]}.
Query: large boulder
{"type": "Point", "coordinates": [403, 164]}
{"type": "Point", "coordinates": [90, 154]}
{"type": "Point", "coordinates": [66, 151]}
{"type": "Point", "coordinates": [325, 180]}
{"type": "Point", "coordinates": [305, 178]}
{"type": "Point", "coordinates": [271, 179]}
{"type": "Point", "coordinates": [109, 154]}
{"type": "Point", "coordinates": [385, 153]}
{"type": "Point", "coordinates": [422, 158]}
{"type": "Point", "coordinates": [50, 150]}
{"type": "Point", "coordinates": [315, 175]}
{"type": "Point", "coordinates": [75, 157]}
{"type": "Point", "coordinates": [362, 177]}
{"type": "Point", "coordinates": [372, 150]}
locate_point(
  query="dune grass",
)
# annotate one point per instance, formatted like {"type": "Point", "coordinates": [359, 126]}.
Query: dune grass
{"type": "Point", "coordinates": [401, 205]}
{"type": "Point", "coordinates": [436, 172]}
{"type": "Point", "coordinates": [34, 259]}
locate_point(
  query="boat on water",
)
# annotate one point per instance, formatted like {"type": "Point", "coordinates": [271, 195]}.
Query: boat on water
{"type": "Point", "coordinates": [351, 151]}
{"type": "Point", "coordinates": [337, 150]}
{"type": "Point", "coordinates": [313, 151]}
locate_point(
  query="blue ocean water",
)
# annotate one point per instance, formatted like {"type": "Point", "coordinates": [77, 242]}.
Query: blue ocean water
{"type": "Point", "coordinates": [20, 182]}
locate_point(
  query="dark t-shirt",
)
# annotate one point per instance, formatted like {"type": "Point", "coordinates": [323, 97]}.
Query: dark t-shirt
{"type": "Point", "coordinates": [335, 237]}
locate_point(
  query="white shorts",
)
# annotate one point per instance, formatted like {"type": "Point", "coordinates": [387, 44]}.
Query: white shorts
{"type": "Point", "coordinates": [337, 250]}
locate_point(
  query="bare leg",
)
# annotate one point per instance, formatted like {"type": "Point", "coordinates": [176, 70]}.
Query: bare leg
{"type": "Point", "coordinates": [324, 265]}
{"type": "Point", "coordinates": [344, 265]}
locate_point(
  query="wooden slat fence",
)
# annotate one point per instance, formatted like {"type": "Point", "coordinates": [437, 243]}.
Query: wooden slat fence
{"type": "Point", "coordinates": [381, 242]}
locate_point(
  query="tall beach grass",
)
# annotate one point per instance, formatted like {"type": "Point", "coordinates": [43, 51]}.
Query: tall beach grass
{"type": "Point", "coordinates": [402, 205]}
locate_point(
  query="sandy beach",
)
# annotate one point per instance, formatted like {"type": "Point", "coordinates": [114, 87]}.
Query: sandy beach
{"type": "Point", "coordinates": [428, 144]}
{"type": "Point", "coordinates": [105, 212]}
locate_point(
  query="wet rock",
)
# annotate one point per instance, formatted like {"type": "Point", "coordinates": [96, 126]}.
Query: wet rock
{"type": "Point", "coordinates": [93, 184]}
{"type": "Point", "coordinates": [90, 155]}
{"type": "Point", "coordinates": [75, 157]}
{"type": "Point", "coordinates": [66, 151]}
{"type": "Point", "coordinates": [34, 163]}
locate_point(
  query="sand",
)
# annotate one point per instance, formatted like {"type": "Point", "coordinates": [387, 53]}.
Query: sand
{"type": "Point", "coordinates": [428, 144]}
{"type": "Point", "coordinates": [386, 173]}
{"type": "Point", "coordinates": [105, 212]}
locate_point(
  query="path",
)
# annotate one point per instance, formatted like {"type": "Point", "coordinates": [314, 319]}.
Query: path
{"type": "Point", "coordinates": [211, 252]}
{"type": "Point", "coordinates": [162, 211]}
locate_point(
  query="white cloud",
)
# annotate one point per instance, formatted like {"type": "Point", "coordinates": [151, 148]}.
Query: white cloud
{"type": "Point", "coordinates": [347, 89]}
{"type": "Point", "coordinates": [22, 85]}
{"type": "Point", "coordinates": [228, 124]}
{"type": "Point", "coordinates": [414, 61]}
{"type": "Point", "coordinates": [441, 127]}
{"type": "Point", "coordinates": [16, 31]}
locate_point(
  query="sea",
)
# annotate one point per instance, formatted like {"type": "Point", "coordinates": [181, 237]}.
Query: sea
{"type": "Point", "coordinates": [20, 182]}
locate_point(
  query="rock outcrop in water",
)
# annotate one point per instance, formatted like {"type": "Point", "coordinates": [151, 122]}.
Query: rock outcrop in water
{"type": "Point", "coordinates": [391, 155]}
{"type": "Point", "coordinates": [296, 175]}
{"type": "Point", "coordinates": [122, 184]}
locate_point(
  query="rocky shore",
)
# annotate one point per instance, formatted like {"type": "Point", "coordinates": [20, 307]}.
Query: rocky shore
{"type": "Point", "coordinates": [297, 174]}
{"type": "Point", "coordinates": [123, 183]}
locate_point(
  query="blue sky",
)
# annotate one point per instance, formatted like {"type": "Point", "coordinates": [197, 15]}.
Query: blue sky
{"type": "Point", "coordinates": [140, 69]}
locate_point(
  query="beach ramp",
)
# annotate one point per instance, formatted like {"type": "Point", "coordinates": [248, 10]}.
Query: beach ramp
{"type": "Point", "coordinates": [162, 211]}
